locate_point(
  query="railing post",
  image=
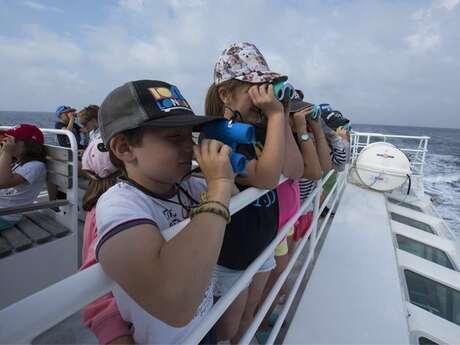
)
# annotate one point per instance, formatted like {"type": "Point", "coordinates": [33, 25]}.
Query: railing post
{"type": "Point", "coordinates": [314, 230]}
{"type": "Point", "coordinates": [425, 147]}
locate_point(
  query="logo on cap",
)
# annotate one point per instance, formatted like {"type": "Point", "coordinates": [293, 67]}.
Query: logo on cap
{"type": "Point", "coordinates": [168, 99]}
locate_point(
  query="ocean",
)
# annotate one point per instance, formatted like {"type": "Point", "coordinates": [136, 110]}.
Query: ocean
{"type": "Point", "coordinates": [442, 166]}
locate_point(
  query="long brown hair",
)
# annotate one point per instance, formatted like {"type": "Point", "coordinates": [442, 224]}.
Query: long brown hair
{"type": "Point", "coordinates": [213, 105]}
{"type": "Point", "coordinates": [32, 152]}
{"type": "Point", "coordinates": [96, 188]}
{"type": "Point", "coordinates": [88, 113]}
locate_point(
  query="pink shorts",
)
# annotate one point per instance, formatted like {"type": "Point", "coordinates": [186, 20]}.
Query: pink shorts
{"type": "Point", "coordinates": [302, 225]}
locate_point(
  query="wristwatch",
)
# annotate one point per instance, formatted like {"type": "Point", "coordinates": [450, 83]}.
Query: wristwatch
{"type": "Point", "coordinates": [303, 137]}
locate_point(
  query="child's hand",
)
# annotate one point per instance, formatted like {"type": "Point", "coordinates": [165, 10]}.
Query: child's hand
{"type": "Point", "coordinates": [71, 118]}
{"type": "Point", "coordinates": [214, 160]}
{"type": "Point", "coordinates": [263, 98]}
{"type": "Point", "coordinates": [300, 119]}
{"type": "Point", "coordinates": [315, 125]}
{"type": "Point", "coordinates": [8, 144]}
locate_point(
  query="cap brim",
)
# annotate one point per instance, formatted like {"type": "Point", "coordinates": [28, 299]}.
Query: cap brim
{"type": "Point", "coordinates": [262, 77]}
{"type": "Point", "coordinates": [297, 105]}
{"type": "Point", "coordinates": [182, 120]}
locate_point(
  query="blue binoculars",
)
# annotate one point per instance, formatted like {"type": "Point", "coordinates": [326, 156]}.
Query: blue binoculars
{"type": "Point", "coordinates": [319, 109]}
{"type": "Point", "coordinates": [283, 90]}
{"type": "Point", "coordinates": [231, 134]}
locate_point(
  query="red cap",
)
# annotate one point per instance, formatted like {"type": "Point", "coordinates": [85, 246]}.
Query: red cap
{"type": "Point", "coordinates": [25, 132]}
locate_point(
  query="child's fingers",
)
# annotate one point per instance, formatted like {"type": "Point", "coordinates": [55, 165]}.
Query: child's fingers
{"type": "Point", "coordinates": [269, 90]}
{"type": "Point", "coordinates": [214, 147]}
{"type": "Point", "coordinates": [225, 150]}
{"type": "Point", "coordinates": [263, 90]}
{"type": "Point", "coordinates": [204, 149]}
{"type": "Point", "coordinates": [197, 152]}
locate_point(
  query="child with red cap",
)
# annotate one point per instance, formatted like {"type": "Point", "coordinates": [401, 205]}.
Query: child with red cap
{"type": "Point", "coordinates": [22, 169]}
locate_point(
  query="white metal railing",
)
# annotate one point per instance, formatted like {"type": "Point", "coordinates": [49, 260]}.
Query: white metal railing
{"type": "Point", "coordinates": [72, 193]}
{"type": "Point", "coordinates": [416, 151]}
{"type": "Point", "coordinates": [70, 295]}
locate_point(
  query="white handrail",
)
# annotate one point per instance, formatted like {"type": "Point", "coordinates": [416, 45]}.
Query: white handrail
{"type": "Point", "coordinates": [70, 290]}
{"type": "Point", "coordinates": [224, 302]}
{"type": "Point", "coordinates": [66, 297]}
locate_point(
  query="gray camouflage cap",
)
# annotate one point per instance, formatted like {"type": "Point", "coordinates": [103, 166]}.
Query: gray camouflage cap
{"type": "Point", "coordinates": [243, 61]}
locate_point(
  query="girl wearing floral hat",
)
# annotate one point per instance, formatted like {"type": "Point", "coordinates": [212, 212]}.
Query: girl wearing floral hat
{"type": "Point", "coordinates": [242, 91]}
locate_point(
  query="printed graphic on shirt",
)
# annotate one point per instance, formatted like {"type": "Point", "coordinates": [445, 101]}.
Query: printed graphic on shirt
{"type": "Point", "coordinates": [168, 99]}
{"type": "Point", "coordinates": [172, 217]}
{"type": "Point", "coordinates": [267, 200]}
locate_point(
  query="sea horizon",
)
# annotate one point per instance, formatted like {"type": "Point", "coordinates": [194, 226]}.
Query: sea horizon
{"type": "Point", "coordinates": [360, 123]}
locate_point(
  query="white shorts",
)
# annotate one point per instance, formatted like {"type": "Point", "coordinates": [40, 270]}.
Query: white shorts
{"type": "Point", "coordinates": [224, 278]}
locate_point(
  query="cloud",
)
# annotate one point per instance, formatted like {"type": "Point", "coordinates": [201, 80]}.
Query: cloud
{"type": "Point", "coordinates": [36, 45]}
{"type": "Point", "coordinates": [133, 5]}
{"type": "Point", "coordinates": [40, 7]}
{"type": "Point", "coordinates": [448, 4]}
{"type": "Point", "coordinates": [424, 40]}
{"type": "Point", "coordinates": [379, 62]}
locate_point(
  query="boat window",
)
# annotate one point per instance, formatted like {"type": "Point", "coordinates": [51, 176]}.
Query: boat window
{"type": "Point", "coordinates": [404, 204]}
{"type": "Point", "coordinates": [426, 341]}
{"type": "Point", "coordinates": [411, 222]}
{"type": "Point", "coordinates": [434, 297]}
{"type": "Point", "coordinates": [424, 251]}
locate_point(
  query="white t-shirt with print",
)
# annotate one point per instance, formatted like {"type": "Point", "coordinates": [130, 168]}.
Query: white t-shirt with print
{"type": "Point", "coordinates": [94, 134]}
{"type": "Point", "coordinates": [34, 173]}
{"type": "Point", "coordinates": [124, 206]}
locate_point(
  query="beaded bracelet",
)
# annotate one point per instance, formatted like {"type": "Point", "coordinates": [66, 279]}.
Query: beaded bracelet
{"type": "Point", "coordinates": [204, 201]}
{"type": "Point", "coordinates": [215, 210]}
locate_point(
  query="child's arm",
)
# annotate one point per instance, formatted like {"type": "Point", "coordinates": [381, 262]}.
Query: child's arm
{"type": "Point", "coordinates": [322, 145]}
{"type": "Point", "coordinates": [311, 165]}
{"type": "Point", "coordinates": [169, 279]}
{"type": "Point", "coordinates": [266, 170]}
{"type": "Point", "coordinates": [293, 162]}
{"type": "Point", "coordinates": [7, 178]}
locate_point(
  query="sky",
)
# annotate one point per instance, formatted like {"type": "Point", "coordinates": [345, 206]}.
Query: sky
{"type": "Point", "coordinates": [389, 62]}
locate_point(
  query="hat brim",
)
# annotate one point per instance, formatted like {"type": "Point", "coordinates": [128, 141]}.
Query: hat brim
{"type": "Point", "coordinates": [66, 111]}
{"type": "Point", "coordinates": [259, 77]}
{"type": "Point", "coordinates": [297, 105]}
{"type": "Point", "coordinates": [181, 120]}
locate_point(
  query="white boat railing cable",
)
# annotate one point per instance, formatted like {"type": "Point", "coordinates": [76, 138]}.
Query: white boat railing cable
{"type": "Point", "coordinates": [416, 152]}
{"type": "Point", "coordinates": [66, 297]}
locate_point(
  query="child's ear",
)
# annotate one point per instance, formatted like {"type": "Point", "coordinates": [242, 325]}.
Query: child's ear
{"type": "Point", "coordinates": [224, 95]}
{"type": "Point", "coordinates": [121, 149]}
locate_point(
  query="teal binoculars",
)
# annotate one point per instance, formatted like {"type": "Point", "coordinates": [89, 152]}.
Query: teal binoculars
{"type": "Point", "coordinates": [283, 90]}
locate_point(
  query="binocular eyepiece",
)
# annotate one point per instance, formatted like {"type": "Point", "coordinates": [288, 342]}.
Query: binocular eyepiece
{"type": "Point", "coordinates": [283, 90]}
{"type": "Point", "coordinates": [231, 134]}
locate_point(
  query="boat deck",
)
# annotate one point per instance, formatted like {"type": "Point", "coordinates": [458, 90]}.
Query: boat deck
{"type": "Point", "coordinates": [340, 306]}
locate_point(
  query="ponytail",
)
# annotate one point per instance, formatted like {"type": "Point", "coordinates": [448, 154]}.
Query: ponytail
{"type": "Point", "coordinates": [213, 104]}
